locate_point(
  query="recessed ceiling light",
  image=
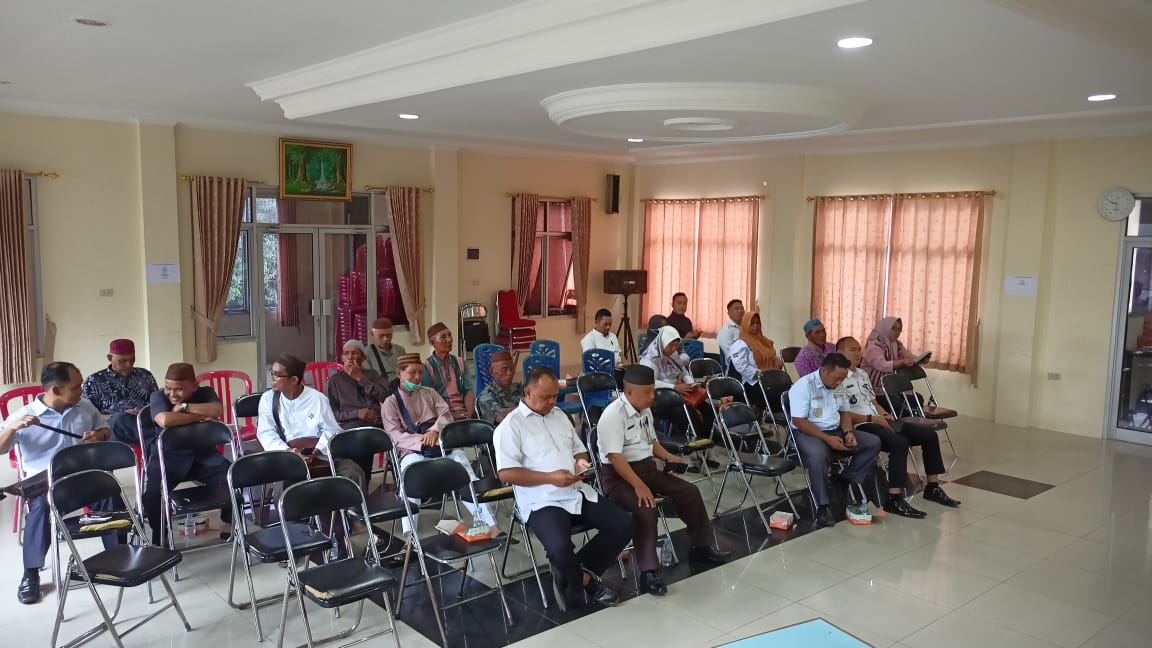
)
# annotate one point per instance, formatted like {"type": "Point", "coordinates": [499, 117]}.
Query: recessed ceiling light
{"type": "Point", "coordinates": [1102, 97]}
{"type": "Point", "coordinates": [88, 22]}
{"type": "Point", "coordinates": [408, 116]}
{"type": "Point", "coordinates": [854, 42]}
{"type": "Point", "coordinates": [635, 140]}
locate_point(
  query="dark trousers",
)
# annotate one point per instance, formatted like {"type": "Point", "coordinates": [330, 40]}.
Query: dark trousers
{"type": "Point", "coordinates": [896, 444]}
{"type": "Point", "coordinates": [124, 428]}
{"type": "Point", "coordinates": [208, 468]}
{"type": "Point", "coordinates": [553, 526]}
{"type": "Point", "coordinates": [38, 529]}
{"type": "Point", "coordinates": [815, 454]}
{"type": "Point", "coordinates": [686, 497]}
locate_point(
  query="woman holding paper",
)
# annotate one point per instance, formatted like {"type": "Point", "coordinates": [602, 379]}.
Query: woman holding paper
{"type": "Point", "coordinates": [884, 353]}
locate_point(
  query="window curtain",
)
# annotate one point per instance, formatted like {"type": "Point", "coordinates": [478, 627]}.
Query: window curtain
{"type": "Point", "coordinates": [407, 241]}
{"type": "Point", "coordinates": [933, 283]}
{"type": "Point", "coordinates": [288, 277]}
{"type": "Point", "coordinates": [848, 263]}
{"type": "Point", "coordinates": [581, 253]}
{"type": "Point", "coordinates": [217, 210]}
{"type": "Point", "coordinates": [726, 261]}
{"type": "Point", "coordinates": [16, 344]}
{"type": "Point", "coordinates": [525, 220]}
{"type": "Point", "coordinates": [669, 253]}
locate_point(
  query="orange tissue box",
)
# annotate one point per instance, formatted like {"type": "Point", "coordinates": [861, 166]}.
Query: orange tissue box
{"type": "Point", "coordinates": [781, 520]}
{"type": "Point", "coordinates": [476, 534]}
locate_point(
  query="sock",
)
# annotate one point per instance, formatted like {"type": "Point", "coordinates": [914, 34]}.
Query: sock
{"type": "Point", "coordinates": [931, 486]}
{"type": "Point", "coordinates": [32, 571]}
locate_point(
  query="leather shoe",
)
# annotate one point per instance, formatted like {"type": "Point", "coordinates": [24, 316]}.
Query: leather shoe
{"type": "Point", "coordinates": [900, 506]}
{"type": "Point", "coordinates": [934, 493]}
{"type": "Point", "coordinates": [601, 593]}
{"type": "Point", "coordinates": [824, 517]}
{"type": "Point", "coordinates": [29, 591]}
{"type": "Point", "coordinates": [708, 555]}
{"type": "Point", "coordinates": [651, 583]}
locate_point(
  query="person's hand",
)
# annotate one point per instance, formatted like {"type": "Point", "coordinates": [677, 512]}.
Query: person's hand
{"type": "Point", "coordinates": [582, 465]}
{"type": "Point", "coordinates": [430, 438]}
{"type": "Point", "coordinates": [367, 414]}
{"type": "Point", "coordinates": [683, 387]}
{"type": "Point", "coordinates": [562, 478]}
{"type": "Point", "coordinates": [904, 362]}
{"type": "Point", "coordinates": [836, 443]}
{"type": "Point", "coordinates": [26, 422]}
{"type": "Point", "coordinates": [644, 496]}
{"type": "Point", "coordinates": [850, 439]}
{"type": "Point", "coordinates": [676, 459]}
{"type": "Point", "coordinates": [134, 411]}
{"type": "Point", "coordinates": [882, 421]}
{"type": "Point", "coordinates": [92, 436]}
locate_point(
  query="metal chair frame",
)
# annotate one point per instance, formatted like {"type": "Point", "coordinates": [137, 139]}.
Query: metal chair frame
{"type": "Point", "coordinates": [915, 405]}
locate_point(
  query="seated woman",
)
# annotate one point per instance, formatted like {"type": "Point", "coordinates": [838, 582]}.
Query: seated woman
{"type": "Point", "coordinates": [671, 369]}
{"type": "Point", "coordinates": [750, 354]}
{"type": "Point", "coordinates": [884, 353]}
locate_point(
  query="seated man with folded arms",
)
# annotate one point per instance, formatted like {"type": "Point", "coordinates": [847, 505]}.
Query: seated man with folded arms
{"type": "Point", "coordinates": [538, 452]}
{"type": "Point", "coordinates": [501, 396]}
{"type": "Point", "coordinates": [731, 329]}
{"type": "Point", "coordinates": [895, 437]}
{"type": "Point", "coordinates": [812, 355]}
{"type": "Point", "coordinates": [601, 335]}
{"type": "Point", "coordinates": [825, 425]}
{"type": "Point", "coordinates": [448, 375]}
{"type": "Point", "coordinates": [382, 353]}
{"type": "Point", "coordinates": [60, 406]}
{"type": "Point", "coordinates": [357, 392]}
{"type": "Point", "coordinates": [182, 402]}
{"type": "Point", "coordinates": [626, 441]}
{"type": "Point", "coordinates": [121, 390]}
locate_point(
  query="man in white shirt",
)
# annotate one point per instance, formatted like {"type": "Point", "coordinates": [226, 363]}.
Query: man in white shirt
{"type": "Point", "coordinates": [538, 452]}
{"type": "Point", "coordinates": [627, 445]}
{"type": "Point", "coordinates": [824, 424]}
{"type": "Point", "coordinates": [731, 329]}
{"type": "Point", "coordinates": [601, 335]}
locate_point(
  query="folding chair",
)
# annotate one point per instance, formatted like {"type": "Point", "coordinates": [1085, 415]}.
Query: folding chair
{"type": "Point", "coordinates": [383, 505]}
{"type": "Point", "coordinates": [126, 565]}
{"type": "Point", "coordinates": [669, 407]}
{"type": "Point", "coordinates": [724, 387]}
{"type": "Point", "coordinates": [438, 478]}
{"type": "Point", "coordinates": [336, 583]}
{"type": "Point", "coordinates": [734, 418]}
{"type": "Point", "coordinates": [898, 392]}
{"type": "Point", "coordinates": [477, 435]}
{"type": "Point", "coordinates": [264, 541]}
{"type": "Point", "coordinates": [246, 409]}
{"type": "Point", "coordinates": [596, 390]}
{"type": "Point", "coordinates": [772, 385]}
{"type": "Point", "coordinates": [839, 460]}
{"type": "Point", "coordinates": [931, 410]}
{"type": "Point", "coordinates": [704, 368]}
{"type": "Point", "coordinates": [788, 354]}
{"type": "Point", "coordinates": [473, 327]}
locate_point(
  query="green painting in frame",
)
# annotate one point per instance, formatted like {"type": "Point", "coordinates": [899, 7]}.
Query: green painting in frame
{"type": "Point", "coordinates": [315, 170]}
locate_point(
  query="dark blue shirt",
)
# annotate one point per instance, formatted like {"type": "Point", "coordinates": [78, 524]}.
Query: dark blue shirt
{"type": "Point", "coordinates": [112, 393]}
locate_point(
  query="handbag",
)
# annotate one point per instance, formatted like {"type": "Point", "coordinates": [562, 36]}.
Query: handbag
{"type": "Point", "coordinates": [317, 462]}
{"type": "Point", "coordinates": [695, 398]}
{"type": "Point", "coordinates": [432, 452]}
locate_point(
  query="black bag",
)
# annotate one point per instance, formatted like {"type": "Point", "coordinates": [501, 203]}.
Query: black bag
{"type": "Point", "coordinates": [432, 452]}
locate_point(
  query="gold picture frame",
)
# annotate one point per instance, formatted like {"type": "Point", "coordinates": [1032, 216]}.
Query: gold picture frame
{"type": "Point", "coordinates": [311, 170]}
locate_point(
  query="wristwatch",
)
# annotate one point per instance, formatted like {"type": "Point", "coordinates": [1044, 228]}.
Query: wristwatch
{"type": "Point", "coordinates": [183, 407]}
{"type": "Point", "coordinates": [869, 418]}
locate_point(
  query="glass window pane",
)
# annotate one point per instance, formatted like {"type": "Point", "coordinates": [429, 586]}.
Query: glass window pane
{"type": "Point", "coordinates": [559, 217]}
{"type": "Point", "coordinates": [533, 303]}
{"type": "Point", "coordinates": [559, 259]}
{"type": "Point", "coordinates": [270, 209]}
{"type": "Point", "coordinates": [238, 292]}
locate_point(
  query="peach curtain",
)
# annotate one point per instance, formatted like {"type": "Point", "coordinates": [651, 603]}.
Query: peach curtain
{"type": "Point", "coordinates": [725, 262]}
{"type": "Point", "coordinates": [581, 253]}
{"type": "Point", "coordinates": [669, 253]}
{"type": "Point", "coordinates": [16, 344]}
{"type": "Point", "coordinates": [217, 210]}
{"type": "Point", "coordinates": [848, 264]}
{"type": "Point", "coordinates": [525, 216]}
{"type": "Point", "coordinates": [933, 283]}
{"type": "Point", "coordinates": [407, 241]}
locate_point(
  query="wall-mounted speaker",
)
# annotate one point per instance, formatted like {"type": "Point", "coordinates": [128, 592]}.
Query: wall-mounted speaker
{"type": "Point", "coordinates": [612, 195]}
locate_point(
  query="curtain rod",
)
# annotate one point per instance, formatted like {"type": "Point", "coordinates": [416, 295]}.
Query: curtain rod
{"type": "Point", "coordinates": [42, 174]}
{"type": "Point", "coordinates": [717, 199]}
{"type": "Point", "coordinates": [188, 178]}
{"type": "Point", "coordinates": [375, 188]}
{"type": "Point", "coordinates": [938, 194]}
{"type": "Point", "coordinates": [509, 194]}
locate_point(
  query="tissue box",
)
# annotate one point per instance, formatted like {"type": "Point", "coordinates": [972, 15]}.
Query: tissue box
{"type": "Point", "coordinates": [859, 515]}
{"type": "Point", "coordinates": [781, 520]}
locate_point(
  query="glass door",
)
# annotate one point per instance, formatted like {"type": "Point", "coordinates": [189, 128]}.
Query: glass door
{"type": "Point", "coordinates": [347, 288]}
{"type": "Point", "coordinates": [292, 313]}
{"type": "Point", "coordinates": [1130, 382]}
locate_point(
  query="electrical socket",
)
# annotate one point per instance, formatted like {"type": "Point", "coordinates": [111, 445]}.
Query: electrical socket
{"type": "Point", "coordinates": [1054, 375]}
{"type": "Point", "coordinates": [107, 292]}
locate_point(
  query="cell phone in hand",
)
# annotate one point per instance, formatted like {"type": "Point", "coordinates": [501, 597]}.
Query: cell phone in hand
{"type": "Point", "coordinates": [673, 467]}
{"type": "Point", "coordinates": [586, 473]}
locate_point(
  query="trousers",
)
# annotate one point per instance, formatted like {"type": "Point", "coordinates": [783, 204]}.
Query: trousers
{"type": "Point", "coordinates": [38, 529]}
{"type": "Point", "coordinates": [897, 442]}
{"type": "Point", "coordinates": [815, 454]}
{"type": "Point", "coordinates": [553, 526]}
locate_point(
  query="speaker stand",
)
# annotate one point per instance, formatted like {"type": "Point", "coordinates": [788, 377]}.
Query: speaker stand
{"type": "Point", "coordinates": [625, 337]}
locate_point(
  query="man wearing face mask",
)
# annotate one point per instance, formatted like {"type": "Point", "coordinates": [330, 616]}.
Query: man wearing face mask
{"type": "Point", "coordinates": [447, 374]}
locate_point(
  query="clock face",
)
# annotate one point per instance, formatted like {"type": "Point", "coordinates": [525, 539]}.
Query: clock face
{"type": "Point", "coordinates": [1116, 204]}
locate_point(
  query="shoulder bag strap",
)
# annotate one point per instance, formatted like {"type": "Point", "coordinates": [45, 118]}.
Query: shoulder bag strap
{"type": "Point", "coordinates": [276, 416]}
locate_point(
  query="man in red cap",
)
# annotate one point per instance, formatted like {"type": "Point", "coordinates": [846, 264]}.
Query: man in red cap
{"type": "Point", "coordinates": [447, 374]}
{"type": "Point", "coordinates": [120, 390]}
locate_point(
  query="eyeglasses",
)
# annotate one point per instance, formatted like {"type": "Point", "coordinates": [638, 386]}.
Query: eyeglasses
{"type": "Point", "coordinates": [275, 375]}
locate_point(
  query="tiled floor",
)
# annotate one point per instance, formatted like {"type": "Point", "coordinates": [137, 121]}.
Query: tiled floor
{"type": "Point", "coordinates": [1071, 566]}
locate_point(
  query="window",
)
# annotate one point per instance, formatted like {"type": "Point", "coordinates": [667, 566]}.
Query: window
{"type": "Point", "coordinates": [705, 248]}
{"type": "Point", "coordinates": [552, 291]}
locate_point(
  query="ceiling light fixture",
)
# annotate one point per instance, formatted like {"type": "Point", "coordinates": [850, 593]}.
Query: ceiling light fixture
{"type": "Point", "coordinates": [408, 116]}
{"type": "Point", "coordinates": [88, 22]}
{"type": "Point", "coordinates": [854, 42]}
{"type": "Point", "coordinates": [635, 140]}
{"type": "Point", "coordinates": [1102, 97]}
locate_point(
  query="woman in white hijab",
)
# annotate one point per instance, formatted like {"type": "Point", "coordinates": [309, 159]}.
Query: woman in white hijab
{"type": "Point", "coordinates": [671, 369]}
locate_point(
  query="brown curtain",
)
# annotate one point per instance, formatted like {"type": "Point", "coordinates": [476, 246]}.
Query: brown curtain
{"type": "Point", "coordinates": [16, 343]}
{"type": "Point", "coordinates": [525, 216]}
{"type": "Point", "coordinates": [934, 273]}
{"type": "Point", "coordinates": [581, 252]}
{"type": "Point", "coordinates": [217, 210]}
{"type": "Point", "coordinates": [288, 278]}
{"type": "Point", "coordinates": [725, 260]}
{"type": "Point", "coordinates": [848, 265]}
{"type": "Point", "coordinates": [407, 241]}
{"type": "Point", "coordinates": [669, 253]}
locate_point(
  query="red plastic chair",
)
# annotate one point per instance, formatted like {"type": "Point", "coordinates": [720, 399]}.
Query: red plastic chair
{"type": "Point", "coordinates": [320, 371]}
{"type": "Point", "coordinates": [227, 384]}
{"type": "Point", "coordinates": [514, 332]}
{"type": "Point", "coordinates": [25, 394]}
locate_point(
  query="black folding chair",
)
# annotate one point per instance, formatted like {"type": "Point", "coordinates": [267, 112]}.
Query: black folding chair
{"type": "Point", "coordinates": [336, 583]}
{"type": "Point", "coordinates": [738, 423]}
{"type": "Point", "coordinates": [125, 565]}
{"type": "Point", "coordinates": [596, 389]}
{"type": "Point", "coordinates": [703, 368]}
{"type": "Point", "coordinates": [247, 406]}
{"type": "Point", "coordinates": [383, 505]}
{"type": "Point", "coordinates": [724, 387]}
{"type": "Point", "coordinates": [477, 435]}
{"type": "Point", "coordinates": [437, 478]}
{"type": "Point", "coordinates": [898, 392]}
{"type": "Point", "coordinates": [772, 385]}
{"type": "Point", "coordinates": [669, 408]}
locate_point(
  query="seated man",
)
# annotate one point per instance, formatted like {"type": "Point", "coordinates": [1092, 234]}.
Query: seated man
{"type": "Point", "coordinates": [502, 395]}
{"type": "Point", "coordinates": [448, 375]}
{"type": "Point", "coordinates": [382, 353]}
{"type": "Point", "coordinates": [601, 335]}
{"type": "Point", "coordinates": [60, 406]}
{"type": "Point", "coordinates": [356, 393]}
{"type": "Point", "coordinates": [824, 425]}
{"type": "Point", "coordinates": [731, 329]}
{"type": "Point", "coordinates": [538, 452]}
{"type": "Point", "coordinates": [120, 390]}
{"type": "Point", "coordinates": [628, 448]}
{"type": "Point", "coordinates": [895, 437]}
{"type": "Point", "coordinates": [181, 402]}
{"type": "Point", "coordinates": [679, 321]}
{"type": "Point", "coordinates": [812, 355]}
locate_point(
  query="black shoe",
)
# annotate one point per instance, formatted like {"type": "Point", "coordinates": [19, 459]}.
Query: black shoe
{"type": "Point", "coordinates": [29, 591]}
{"type": "Point", "coordinates": [694, 469]}
{"type": "Point", "coordinates": [824, 517]}
{"type": "Point", "coordinates": [708, 556]}
{"type": "Point", "coordinates": [900, 506]}
{"type": "Point", "coordinates": [600, 593]}
{"type": "Point", "coordinates": [934, 493]}
{"type": "Point", "coordinates": [651, 583]}
{"type": "Point", "coordinates": [712, 465]}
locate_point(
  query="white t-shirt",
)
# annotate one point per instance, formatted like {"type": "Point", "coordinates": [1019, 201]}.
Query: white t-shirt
{"type": "Point", "coordinates": [626, 431]}
{"type": "Point", "coordinates": [309, 415]}
{"type": "Point", "coordinates": [597, 340]}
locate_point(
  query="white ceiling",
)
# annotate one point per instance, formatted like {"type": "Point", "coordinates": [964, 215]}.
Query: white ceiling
{"type": "Point", "coordinates": [941, 72]}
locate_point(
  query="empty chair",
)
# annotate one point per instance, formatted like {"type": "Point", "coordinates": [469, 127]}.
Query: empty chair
{"type": "Point", "coordinates": [230, 385]}
{"type": "Point", "coordinates": [680, 438]}
{"type": "Point", "coordinates": [901, 398]}
{"type": "Point", "coordinates": [599, 361]}
{"type": "Point", "coordinates": [477, 436]}
{"type": "Point", "coordinates": [514, 332]}
{"type": "Point", "coordinates": [318, 372]}
{"type": "Point", "coordinates": [355, 444]}
{"type": "Point", "coordinates": [245, 411]}
{"type": "Point", "coordinates": [550, 348]}
{"type": "Point", "coordinates": [930, 409]}
{"type": "Point", "coordinates": [473, 327]}
{"type": "Point", "coordinates": [703, 368]}
{"type": "Point", "coordinates": [737, 423]}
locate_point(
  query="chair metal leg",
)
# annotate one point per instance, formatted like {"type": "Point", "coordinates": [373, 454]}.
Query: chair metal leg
{"type": "Point", "coordinates": [500, 588]}
{"type": "Point", "coordinates": [463, 578]}
{"type": "Point", "coordinates": [404, 575]}
{"type": "Point", "coordinates": [284, 611]}
{"type": "Point", "coordinates": [304, 616]}
{"type": "Point", "coordinates": [175, 603]}
{"type": "Point", "coordinates": [531, 558]}
{"type": "Point", "coordinates": [432, 596]}
{"type": "Point", "coordinates": [720, 491]}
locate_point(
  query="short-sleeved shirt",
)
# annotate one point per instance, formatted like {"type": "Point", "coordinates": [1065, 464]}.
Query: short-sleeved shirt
{"type": "Point", "coordinates": [526, 439]}
{"type": "Point", "coordinates": [158, 403]}
{"type": "Point", "coordinates": [494, 400]}
{"type": "Point", "coordinates": [810, 399]}
{"type": "Point", "coordinates": [37, 445]}
{"type": "Point", "coordinates": [597, 340]}
{"type": "Point", "coordinates": [727, 336]}
{"type": "Point", "coordinates": [112, 393]}
{"type": "Point", "coordinates": [626, 431]}
{"type": "Point", "coordinates": [856, 390]}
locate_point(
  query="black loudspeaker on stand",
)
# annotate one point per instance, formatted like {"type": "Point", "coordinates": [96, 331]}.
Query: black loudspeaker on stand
{"type": "Point", "coordinates": [626, 283]}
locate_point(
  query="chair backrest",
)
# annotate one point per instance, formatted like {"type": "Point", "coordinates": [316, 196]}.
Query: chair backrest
{"type": "Point", "coordinates": [319, 373]}
{"type": "Point", "coordinates": [550, 348]}
{"type": "Point", "coordinates": [599, 361]}
{"type": "Point", "coordinates": [723, 386]}
{"type": "Point", "coordinates": [507, 307]}
{"type": "Point", "coordinates": [473, 310]}
{"type": "Point", "coordinates": [482, 359]}
{"type": "Point", "coordinates": [248, 406]}
{"type": "Point", "coordinates": [694, 349]}
{"type": "Point", "coordinates": [434, 478]}
{"type": "Point", "coordinates": [915, 372]}
{"type": "Point", "coordinates": [533, 360]}
{"type": "Point", "coordinates": [466, 434]}
{"type": "Point", "coordinates": [195, 436]}
{"type": "Point", "coordinates": [101, 455]}
{"type": "Point", "coordinates": [667, 403]}
{"type": "Point", "coordinates": [704, 368]}
{"type": "Point", "coordinates": [321, 495]}
{"type": "Point", "coordinates": [270, 467]}
{"type": "Point", "coordinates": [788, 354]}
{"type": "Point", "coordinates": [227, 384]}
{"type": "Point", "coordinates": [897, 390]}
{"type": "Point", "coordinates": [473, 327]}
{"type": "Point", "coordinates": [78, 490]}
{"type": "Point", "coordinates": [735, 414]}
{"type": "Point", "coordinates": [360, 442]}
{"type": "Point", "coordinates": [595, 381]}
{"type": "Point", "coordinates": [24, 394]}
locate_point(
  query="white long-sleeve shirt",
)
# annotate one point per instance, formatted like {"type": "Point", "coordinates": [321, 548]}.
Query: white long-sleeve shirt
{"type": "Point", "coordinates": [309, 415]}
{"type": "Point", "coordinates": [727, 335]}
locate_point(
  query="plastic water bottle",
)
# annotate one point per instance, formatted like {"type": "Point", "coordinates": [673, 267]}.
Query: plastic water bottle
{"type": "Point", "coordinates": [188, 528]}
{"type": "Point", "coordinates": [666, 552]}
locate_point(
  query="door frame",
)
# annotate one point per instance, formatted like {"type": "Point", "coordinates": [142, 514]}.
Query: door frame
{"type": "Point", "coordinates": [1112, 429]}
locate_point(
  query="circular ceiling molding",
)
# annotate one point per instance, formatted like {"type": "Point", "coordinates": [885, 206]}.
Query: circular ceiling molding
{"type": "Point", "coordinates": [703, 112]}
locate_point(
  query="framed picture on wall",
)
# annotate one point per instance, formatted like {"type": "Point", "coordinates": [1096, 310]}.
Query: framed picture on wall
{"type": "Point", "coordinates": [315, 170]}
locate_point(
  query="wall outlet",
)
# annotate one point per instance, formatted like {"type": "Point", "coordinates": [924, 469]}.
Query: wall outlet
{"type": "Point", "coordinates": [1054, 375]}
{"type": "Point", "coordinates": [107, 292]}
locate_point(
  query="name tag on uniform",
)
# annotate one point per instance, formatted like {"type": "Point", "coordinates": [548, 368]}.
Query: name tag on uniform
{"type": "Point", "coordinates": [817, 412]}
